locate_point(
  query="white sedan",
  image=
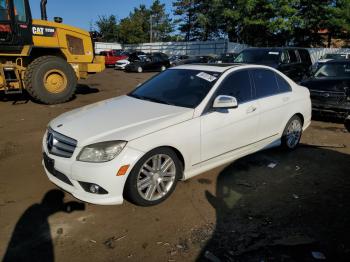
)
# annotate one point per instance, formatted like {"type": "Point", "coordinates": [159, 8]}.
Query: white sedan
{"type": "Point", "coordinates": [121, 64]}
{"type": "Point", "coordinates": [180, 123]}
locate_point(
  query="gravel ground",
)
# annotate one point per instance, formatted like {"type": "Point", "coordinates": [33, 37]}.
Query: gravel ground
{"type": "Point", "coordinates": [246, 211]}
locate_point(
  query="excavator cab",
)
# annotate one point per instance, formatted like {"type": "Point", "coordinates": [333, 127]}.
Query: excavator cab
{"type": "Point", "coordinates": [15, 25]}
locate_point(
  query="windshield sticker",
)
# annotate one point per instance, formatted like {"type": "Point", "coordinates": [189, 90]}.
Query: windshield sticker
{"type": "Point", "coordinates": [206, 76]}
{"type": "Point", "coordinates": [274, 53]}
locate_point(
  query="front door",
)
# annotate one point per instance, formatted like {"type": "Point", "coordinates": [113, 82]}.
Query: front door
{"type": "Point", "coordinates": [230, 130]}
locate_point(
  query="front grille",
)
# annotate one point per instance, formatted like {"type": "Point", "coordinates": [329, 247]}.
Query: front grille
{"type": "Point", "coordinates": [338, 97]}
{"type": "Point", "coordinates": [60, 145]}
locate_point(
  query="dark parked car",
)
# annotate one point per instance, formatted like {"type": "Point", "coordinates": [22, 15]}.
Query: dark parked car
{"type": "Point", "coordinates": [151, 62]}
{"type": "Point", "coordinates": [330, 89]}
{"type": "Point", "coordinates": [185, 59]}
{"type": "Point", "coordinates": [226, 58]}
{"type": "Point", "coordinates": [294, 62]}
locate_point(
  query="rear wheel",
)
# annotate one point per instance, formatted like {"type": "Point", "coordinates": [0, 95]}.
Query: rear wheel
{"type": "Point", "coordinates": [163, 68]}
{"type": "Point", "coordinates": [292, 133]}
{"type": "Point", "coordinates": [139, 69]}
{"type": "Point", "coordinates": [154, 177]}
{"type": "Point", "coordinates": [50, 80]}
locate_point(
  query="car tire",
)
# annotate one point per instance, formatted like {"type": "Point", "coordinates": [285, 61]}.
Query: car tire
{"type": "Point", "coordinates": [163, 68]}
{"type": "Point", "coordinates": [347, 123]}
{"type": "Point", "coordinates": [139, 69]}
{"type": "Point", "coordinates": [292, 133]}
{"type": "Point", "coordinates": [147, 185]}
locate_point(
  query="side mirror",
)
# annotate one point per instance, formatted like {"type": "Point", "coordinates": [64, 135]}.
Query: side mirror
{"type": "Point", "coordinates": [225, 102]}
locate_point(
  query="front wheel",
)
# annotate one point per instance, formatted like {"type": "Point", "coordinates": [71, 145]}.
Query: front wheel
{"type": "Point", "coordinates": [153, 178]}
{"type": "Point", "coordinates": [163, 68]}
{"type": "Point", "coordinates": [292, 133]}
{"type": "Point", "coordinates": [50, 80]}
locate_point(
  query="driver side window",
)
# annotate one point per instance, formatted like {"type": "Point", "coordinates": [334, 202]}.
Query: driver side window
{"type": "Point", "coordinates": [238, 85]}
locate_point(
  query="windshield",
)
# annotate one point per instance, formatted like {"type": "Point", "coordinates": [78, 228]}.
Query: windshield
{"type": "Point", "coordinates": [4, 12]}
{"type": "Point", "coordinates": [335, 56]}
{"type": "Point", "coordinates": [178, 87]}
{"type": "Point", "coordinates": [258, 56]}
{"type": "Point", "coordinates": [333, 70]}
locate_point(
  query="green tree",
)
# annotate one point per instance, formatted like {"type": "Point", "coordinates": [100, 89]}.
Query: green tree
{"type": "Point", "coordinates": [188, 13]}
{"type": "Point", "coordinates": [135, 28]}
{"type": "Point", "coordinates": [161, 23]}
{"type": "Point", "coordinates": [108, 28]}
{"type": "Point", "coordinates": [338, 25]}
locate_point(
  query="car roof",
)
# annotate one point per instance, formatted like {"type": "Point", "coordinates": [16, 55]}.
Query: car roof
{"type": "Point", "coordinates": [216, 67]}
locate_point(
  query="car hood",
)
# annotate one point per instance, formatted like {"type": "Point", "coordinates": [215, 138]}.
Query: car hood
{"type": "Point", "coordinates": [120, 118]}
{"type": "Point", "coordinates": [336, 84]}
{"type": "Point", "coordinates": [124, 61]}
{"type": "Point", "coordinates": [137, 63]}
{"type": "Point", "coordinates": [325, 60]}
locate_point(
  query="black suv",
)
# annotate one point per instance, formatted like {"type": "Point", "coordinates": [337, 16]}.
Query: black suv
{"type": "Point", "coordinates": [294, 62]}
{"type": "Point", "coordinates": [150, 62]}
{"type": "Point", "coordinates": [330, 89]}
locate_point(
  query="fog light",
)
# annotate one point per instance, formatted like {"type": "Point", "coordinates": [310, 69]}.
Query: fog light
{"type": "Point", "coordinates": [94, 188]}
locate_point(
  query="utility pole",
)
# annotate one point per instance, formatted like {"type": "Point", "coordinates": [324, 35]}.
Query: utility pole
{"type": "Point", "coordinates": [151, 29]}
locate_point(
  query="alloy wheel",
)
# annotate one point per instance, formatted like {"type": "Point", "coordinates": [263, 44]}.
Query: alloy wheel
{"type": "Point", "coordinates": [293, 135]}
{"type": "Point", "coordinates": [156, 177]}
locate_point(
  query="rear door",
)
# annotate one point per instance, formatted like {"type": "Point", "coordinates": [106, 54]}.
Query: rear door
{"type": "Point", "coordinates": [292, 66]}
{"type": "Point", "coordinates": [273, 101]}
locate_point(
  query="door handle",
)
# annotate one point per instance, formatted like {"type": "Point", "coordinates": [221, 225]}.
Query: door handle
{"type": "Point", "coordinates": [285, 99]}
{"type": "Point", "coordinates": [251, 109]}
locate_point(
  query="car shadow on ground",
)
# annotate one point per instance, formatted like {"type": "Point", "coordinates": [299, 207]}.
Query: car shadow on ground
{"type": "Point", "coordinates": [83, 89]}
{"type": "Point", "coordinates": [31, 238]}
{"type": "Point", "coordinates": [282, 206]}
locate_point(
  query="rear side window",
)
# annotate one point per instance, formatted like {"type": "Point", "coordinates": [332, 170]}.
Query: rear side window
{"type": "Point", "coordinates": [265, 83]}
{"type": "Point", "coordinates": [282, 84]}
{"type": "Point", "coordinates": [238, 85]}
{"type": "Point", "coordinates": [305, 56]}
{"type": "Point", "coordinates": [292, 56]}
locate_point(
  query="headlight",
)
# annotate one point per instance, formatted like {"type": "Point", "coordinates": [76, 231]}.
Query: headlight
{"type": "Point", "coordinates": [101, 152]}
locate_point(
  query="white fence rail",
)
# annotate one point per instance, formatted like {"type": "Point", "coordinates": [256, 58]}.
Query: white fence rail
{"type": "Point", "coordinates": [201, 48]}
{"type": "Point", "coordinates": [101, 46]}
{"type": "Point", "coordinates": [317, 53]}
{"type": "Point", "coordinates": [189, 48]}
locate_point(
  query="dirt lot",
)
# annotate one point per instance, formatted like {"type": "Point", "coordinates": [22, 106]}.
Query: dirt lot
{"type": "Point", "coordinates": [246, 211]}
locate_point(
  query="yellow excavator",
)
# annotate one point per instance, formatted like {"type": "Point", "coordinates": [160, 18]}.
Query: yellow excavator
{"type": "Point", "coordinates": [44, 58]}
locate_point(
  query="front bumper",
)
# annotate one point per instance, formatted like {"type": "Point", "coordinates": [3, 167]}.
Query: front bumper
{"type": "Point", "coordinates": [338, 110]}
{"type": "Point", "coordinates": [98, 65]}
{"type": "Point", "coordinates": [102, 174]}
{"type": "Point", "coordinates": [120, 67]}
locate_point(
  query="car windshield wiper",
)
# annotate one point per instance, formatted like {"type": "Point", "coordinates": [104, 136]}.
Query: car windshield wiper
{"type": "Point", "coordinates": [151, 99]}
